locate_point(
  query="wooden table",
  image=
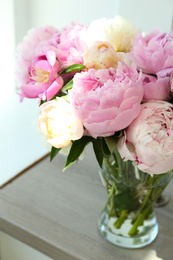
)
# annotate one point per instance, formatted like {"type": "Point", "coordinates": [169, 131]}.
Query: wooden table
{"type": "Point", "coordinates": [56, 213]}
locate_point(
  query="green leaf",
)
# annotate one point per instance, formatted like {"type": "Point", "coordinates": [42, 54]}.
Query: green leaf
{"type": "Point", "coordinates": [111, 142]}
{"type": "Point", "coordinates": [68, 86]}
{"type": "Point", "coordinates": [97, 146]}
{"type": "Point", "coordinates": [62, 94]}
{"type": "Point", "coordinates": [74, 67]}
{"type": "Point", "coordinates": [42, 102]}
{"type": "Point", "coordinates": [105, 148]}
{"type": "Point", "coordinates": [54, 152]}
{"type": "Point", "coordinates": [76, 150]}
{"type": "Point", "coordinates": [124, 200]}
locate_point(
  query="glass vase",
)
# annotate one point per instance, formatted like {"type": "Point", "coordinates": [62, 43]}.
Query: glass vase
{"type": "Point", "coordinates": [128, 219]}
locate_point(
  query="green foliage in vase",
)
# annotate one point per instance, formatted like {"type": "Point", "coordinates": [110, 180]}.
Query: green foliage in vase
{"type": "Point", "coordinates": [131, 192]}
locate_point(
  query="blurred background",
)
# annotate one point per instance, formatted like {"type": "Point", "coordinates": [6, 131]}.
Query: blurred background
{"type": "Point", "coordinates": [19, 138]}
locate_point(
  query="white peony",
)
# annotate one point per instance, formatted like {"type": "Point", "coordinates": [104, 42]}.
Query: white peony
{"type": "Point", "coordinates": [58, 123]}
{"type": "Point", "coordinates": [119, 32]}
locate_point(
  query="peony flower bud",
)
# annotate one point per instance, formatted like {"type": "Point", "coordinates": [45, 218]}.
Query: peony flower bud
{"type": "Point", "coordinates": [100, 55]}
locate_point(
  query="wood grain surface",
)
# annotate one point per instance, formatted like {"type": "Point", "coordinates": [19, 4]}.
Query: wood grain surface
{"type": "Point", "coordinates": [56, 213]}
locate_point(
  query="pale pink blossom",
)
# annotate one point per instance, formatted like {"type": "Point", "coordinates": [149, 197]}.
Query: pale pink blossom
{"type": "Point", "coordinates": [58, 123]}
{"type": "Point", "coordinates": [155, 88]}
{"type": "Point", "coordinates": [101, 55]}
{"type": "Point", "coordinates": [44, 81]}
{"type": "Point", "coordinates": [149, 138]}
{"type": "Point", "coordinates": [107, 100]}
{"type": "Point", "coordinates": [70, 44]}
{"type": "Point", "coordinates": [31, 45]}
{"type": "Point", "coordinates": [153, 52]}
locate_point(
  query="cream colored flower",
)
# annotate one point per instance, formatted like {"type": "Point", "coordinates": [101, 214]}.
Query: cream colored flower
{"type": "Point", "coordinates": [100, 55]}
{"type": "Point", "coordinates": [119, 32]}
{"type": "Point", "coordinates": [58, 123]}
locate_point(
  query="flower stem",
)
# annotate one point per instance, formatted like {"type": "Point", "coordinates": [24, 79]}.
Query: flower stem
{"type": "Point", "coordinates": [119, 161]}
{"type": "Point", "coordinates": [151, 196]}
{"type": "Point", "coordinates": [121, 219]}
{"type": "Point", "coordinates": [133, 231]}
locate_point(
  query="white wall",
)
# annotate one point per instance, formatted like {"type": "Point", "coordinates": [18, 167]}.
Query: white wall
{"type": "Point", "coordinates": [13, 249]}
{"type": "Point", "coordinates": [60, 13]}
{"type": "Point", "coordinates": [7, 49]}
{"type": "Point", "coordinates": [147, 14]}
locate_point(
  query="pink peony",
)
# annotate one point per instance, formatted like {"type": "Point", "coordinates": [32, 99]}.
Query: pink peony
{"type": "Point", "coordinates": [44, 81]}
{"type": "Point", "coordinates": [107, 100]}
{"type": "Point", "coordinates": [70, 44]}
{"type": "Point", "coordinates": [155, 88]}
{"type": "Point", "coordinates": [31, 45]}
{"type": "Point", "coordinates": [149, 138]}
{"type": "Point", "coordinates": [154, 52]}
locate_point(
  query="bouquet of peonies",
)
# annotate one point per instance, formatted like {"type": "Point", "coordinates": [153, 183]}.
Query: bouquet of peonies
{"type": "Point", "coordinates": [104, 84]}
{"type": "Point", "coordinates": [111, 86]}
